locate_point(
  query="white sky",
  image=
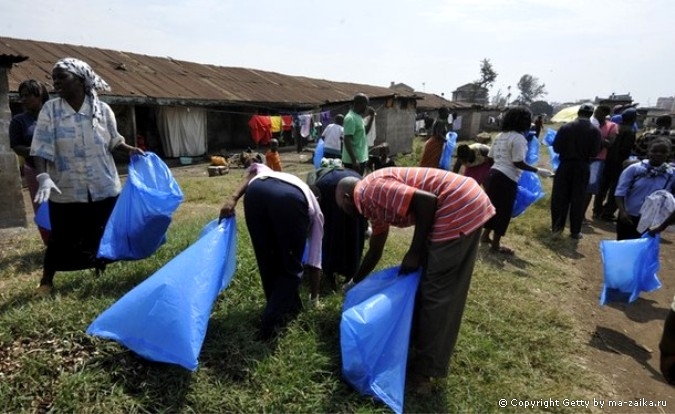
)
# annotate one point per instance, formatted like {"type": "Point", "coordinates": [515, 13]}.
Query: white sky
{"type": "Point", "coordinates": [578, 48]}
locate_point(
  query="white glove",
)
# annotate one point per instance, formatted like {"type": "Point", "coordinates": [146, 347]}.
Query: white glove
{"type": "Point", "coordinates": [45, 189]}
{"type": "Point", "coordinates": [544, 173]}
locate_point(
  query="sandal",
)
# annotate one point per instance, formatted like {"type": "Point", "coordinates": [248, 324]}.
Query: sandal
{"type": "Point", "coordinates": [503, 250]}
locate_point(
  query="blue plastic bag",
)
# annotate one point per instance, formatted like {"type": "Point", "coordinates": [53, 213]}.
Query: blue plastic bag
{"type": "Point", "coordinates": [375, 334]}
{"type": "Point", "coordinates": [318, 154]}
{"type": "Point", "coordinates": [138, 223]}
{"type": "Point", "coordinates": [629, 267]}
{"type": "Point", "coordinates": [532, 155]}
{"type": "Point", "coordinates": [549, 138]}
{"type": "Point", "coordinates": [448, 150]}
{"type": "Point", "coordinates": [529, 192]}
{"type": "Point", "coordinates": [42, 216]}
{"type": "Point", "coordinates": [165, 318]}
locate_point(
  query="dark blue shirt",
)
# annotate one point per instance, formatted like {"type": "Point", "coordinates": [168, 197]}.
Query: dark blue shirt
{"type": "Point", "coordinates": [21, 129]}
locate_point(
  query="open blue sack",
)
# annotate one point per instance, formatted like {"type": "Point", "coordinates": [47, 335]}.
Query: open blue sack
{"type": "Point", "coordinates": [549, 138]}
{"type": "Point", "coordinates": [42, 216]}
{"type": "Point", "coordinates": [318, 154]}
{"type": "Point", "coordinates": [532, 155]}
{"type": "Point", "coordinates": [138, 223]}
{"type": "Point", "coordinates": [375, 333]}
{"type": "Point", "coordinates": [629, 267]}
{"type": "Point", "coordinates": [165, 318]}
{"type": "Point", "coordinates": [529, 192]}
{"type": "Point", "coordinates": [448, 150]}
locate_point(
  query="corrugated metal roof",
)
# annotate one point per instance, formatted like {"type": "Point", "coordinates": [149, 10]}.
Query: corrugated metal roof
{"type": "Point", "coordinates": [431, 101]}
{"type": "Point", "coordinates": [142, 77]}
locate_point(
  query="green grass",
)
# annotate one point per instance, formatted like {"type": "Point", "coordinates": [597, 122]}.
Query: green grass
{"type": "Point", "coordinates": [517, 340]}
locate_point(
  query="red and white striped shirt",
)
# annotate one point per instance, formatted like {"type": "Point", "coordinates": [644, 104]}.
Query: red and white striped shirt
{"type": "Point", "coordinates": [384, 198]}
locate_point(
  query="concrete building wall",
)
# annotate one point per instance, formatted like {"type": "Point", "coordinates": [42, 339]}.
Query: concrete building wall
{"type": "Point", "coordinates": [12, 208]}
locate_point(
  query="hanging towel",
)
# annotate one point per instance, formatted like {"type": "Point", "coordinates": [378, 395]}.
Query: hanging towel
{"type": "Point", "coordinates": [261, 129]}
{"type": "Point", "coordinates": [286, 122]}
{"type": "Point", "coordinates": [305, 124]}
{"type": "Point", "coordinates": [276, 122]}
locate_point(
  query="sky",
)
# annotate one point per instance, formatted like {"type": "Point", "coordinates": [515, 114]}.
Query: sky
{"type": "Point", "coordinates": [579, 49]}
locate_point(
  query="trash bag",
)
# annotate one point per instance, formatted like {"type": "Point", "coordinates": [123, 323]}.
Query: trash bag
{"type": "Point", "coordinates": [548, 140]}
{"type": "Point", "coordinates": [42, 216]}
{"type": "Point", "coordinates": [165, 317]}
{"type": "Point", "coordinates": [318, 154]}
{"type": "Point", "coordinates": [375, 333]}
{"type": "Point", "coordinates": [138, 223]}
{"type": "Point", "coordinates": [532, 155]}
{"type": "Point", "coordinates": [629, 267]}
{"type": "Point", "coordinates": [529, 192]}
{"type": "Point", "coordinates": [448, 150]}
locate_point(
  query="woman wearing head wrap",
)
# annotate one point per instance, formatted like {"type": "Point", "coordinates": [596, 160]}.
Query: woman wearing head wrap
{"type": "Point", "coordinates": [72, 151]}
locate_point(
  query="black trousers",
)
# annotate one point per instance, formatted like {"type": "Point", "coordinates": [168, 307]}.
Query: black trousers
{"type": "Point", "coordinates": [502, 192]}
{"type": "Point", "coordinates": [277, 218]}
{"type": "Point", "coordinates": [569, 194]}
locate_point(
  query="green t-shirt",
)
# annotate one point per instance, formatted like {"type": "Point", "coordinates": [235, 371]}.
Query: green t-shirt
{"type": "Point", "coordinates": [353, 125]}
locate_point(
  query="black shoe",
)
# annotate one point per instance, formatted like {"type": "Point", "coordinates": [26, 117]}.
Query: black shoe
{"type": "Point", "coordinates": [577, 236]}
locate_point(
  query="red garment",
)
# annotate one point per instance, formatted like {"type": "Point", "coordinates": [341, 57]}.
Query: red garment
{"type": "Point", "coordinates": [261, 129]}
{"type": "Point", "coordinates": [286, 122]}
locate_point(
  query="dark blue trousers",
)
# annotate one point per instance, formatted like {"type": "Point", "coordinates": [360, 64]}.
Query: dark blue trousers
{"type": "Point", "coordinates": [277, 218]}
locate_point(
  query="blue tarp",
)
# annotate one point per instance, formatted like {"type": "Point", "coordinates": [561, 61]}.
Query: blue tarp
{"type": "Point", "coordinates": [529, 186]}
{"type": "Point", "coordinates": [318, 154]}
{"type": "Point", "coordinates": [549, 138]}
{"type": "Point", "coordinates": [629, 268]}
{"type": "Point", "coordinates": [138, 223]}
{"type": "Point", "coordinates": [375, 334]}
{"type": "Point", "coordinates": [165, 317]}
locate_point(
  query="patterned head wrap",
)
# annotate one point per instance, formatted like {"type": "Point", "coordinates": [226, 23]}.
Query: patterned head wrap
{"type": "Point", "coordinates": [92, 82]}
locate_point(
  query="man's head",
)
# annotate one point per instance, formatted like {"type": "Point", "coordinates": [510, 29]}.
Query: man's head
{"type": "Point", "coordinates": [628, 116]}
{"type": "Point", "coordinates": [585, 110]}
{"type": "Point", "coordinates": [360, 103]}
{"type": "Point", "coordinates": [443, 113]}
{"type": "Point", "coordinates": [464, 153]}
{"type": "Point", "coordinates": [339, 119]}
{"type": "Point", "coordinates": [601, 112]}
{"type": "Point", "coordinates": [664, 121]}
{"type": "Point", "coordinates": [659, 151]}
{"type": "Point", "coordinates": [274, 144]}
{"type": "Point", "coordinates": [344, 195]}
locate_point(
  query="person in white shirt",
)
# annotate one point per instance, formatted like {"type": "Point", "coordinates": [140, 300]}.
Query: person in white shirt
{"type": "Point", "coordinates": [332, 137]}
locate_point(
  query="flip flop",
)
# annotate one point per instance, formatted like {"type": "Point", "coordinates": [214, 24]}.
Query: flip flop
{"type": "Point", "coordinates": [503, 250]}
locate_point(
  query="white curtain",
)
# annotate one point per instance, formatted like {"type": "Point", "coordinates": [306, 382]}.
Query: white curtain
{"type": "Point", "coordinates": [182, 131]}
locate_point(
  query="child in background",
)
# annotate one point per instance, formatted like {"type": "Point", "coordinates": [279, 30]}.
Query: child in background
{"type": "Point", "coordinates": [272, 156]}
{"type": "Point", "coordinates": [475, 161]}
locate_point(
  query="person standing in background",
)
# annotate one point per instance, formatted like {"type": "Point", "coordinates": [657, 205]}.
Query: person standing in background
{"type": "Point", "coordinates": [332, 138]}
{"type": "Point", "coordinates": [355, 149]}
{"type": "Point", "coordinates": [33, 95]}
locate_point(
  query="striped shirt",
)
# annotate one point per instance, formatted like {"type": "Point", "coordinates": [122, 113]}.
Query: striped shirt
{"type": "Point", "coordinates": [384, 197]}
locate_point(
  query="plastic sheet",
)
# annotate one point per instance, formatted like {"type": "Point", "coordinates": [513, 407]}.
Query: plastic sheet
{"type": "Point", "coordinates": [375, 334]}
{"type": "Point", "coordinates": [554, 158]}
{"type": "Point", "coordinates": [629, 268]}
{"type": "Point", "coordinates": [448, 150]}
{"type": "Point", "coordinates": [165, 318]}
{"type": "Point", "coordinates": [138, 223]}
{"type": "Point", "coordinates": [42, 216]}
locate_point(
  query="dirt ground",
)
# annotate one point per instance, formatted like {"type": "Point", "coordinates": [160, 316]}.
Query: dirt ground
{"type": "Point", "coordinates": [621, 339]}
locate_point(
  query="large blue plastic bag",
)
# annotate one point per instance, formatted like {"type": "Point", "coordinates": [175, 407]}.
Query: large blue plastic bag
{"type": "Point", "coordinates": [549, 138]}
{"type": "Point", "coordinates": [629, 267]}
{"type": "Point", "coordinates": [529, 192]}
{"type": "Point", "coordinates": [375, 333]}
{"type": "Point", "coordinates": [165, 318]}
{"type": "Point", "coordinates": [318, 154]}
{"type": "Point", "coordinates": [532, 155]}
{"type": "Point", "coordinates": [138, 223]}
{"type": "Point", "coordinates": [448, 150]}
{"type": "Point", "coordinates": [42, 216]}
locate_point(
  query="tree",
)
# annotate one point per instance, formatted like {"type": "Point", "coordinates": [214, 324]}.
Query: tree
{"type": "Point", "coordinates": [487, 79]}
{"type": "Point", "coordinates": [499, 99]}
{"type": "Point", "coordinates": [541, 107]}
{"type": "Point", "coordinates": [530, 89]}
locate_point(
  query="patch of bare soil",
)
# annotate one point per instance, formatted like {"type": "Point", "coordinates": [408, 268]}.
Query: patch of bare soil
{"type": "Point", "coordinates": [622, 339]}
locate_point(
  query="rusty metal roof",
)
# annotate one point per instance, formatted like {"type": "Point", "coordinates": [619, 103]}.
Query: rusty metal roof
{"type": "Point", "coordinates": [432, 101]}
{"type": "Point", "coordinates": [140, 78]}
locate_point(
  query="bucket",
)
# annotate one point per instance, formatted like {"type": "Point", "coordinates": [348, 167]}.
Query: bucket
{"type": "Point", "coordinates": [186, 160]}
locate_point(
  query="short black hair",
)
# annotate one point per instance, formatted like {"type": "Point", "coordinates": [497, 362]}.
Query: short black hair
{"type": "Point", "coordinates": [603, 109]}
{"type": "Point", "coordinates": [518, 118]}
{"type": "Point", "coordinates": [34, 88]}
{"type": "Point", "coordinates": [661, 141]}
{"type": "Point", "coordinates": [664, 121]}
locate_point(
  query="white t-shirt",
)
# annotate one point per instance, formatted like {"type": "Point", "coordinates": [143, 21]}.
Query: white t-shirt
{"type": "Point", "coordinates": [331, 136]}
{"type": "Point", "coordinates": [507, 148]}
